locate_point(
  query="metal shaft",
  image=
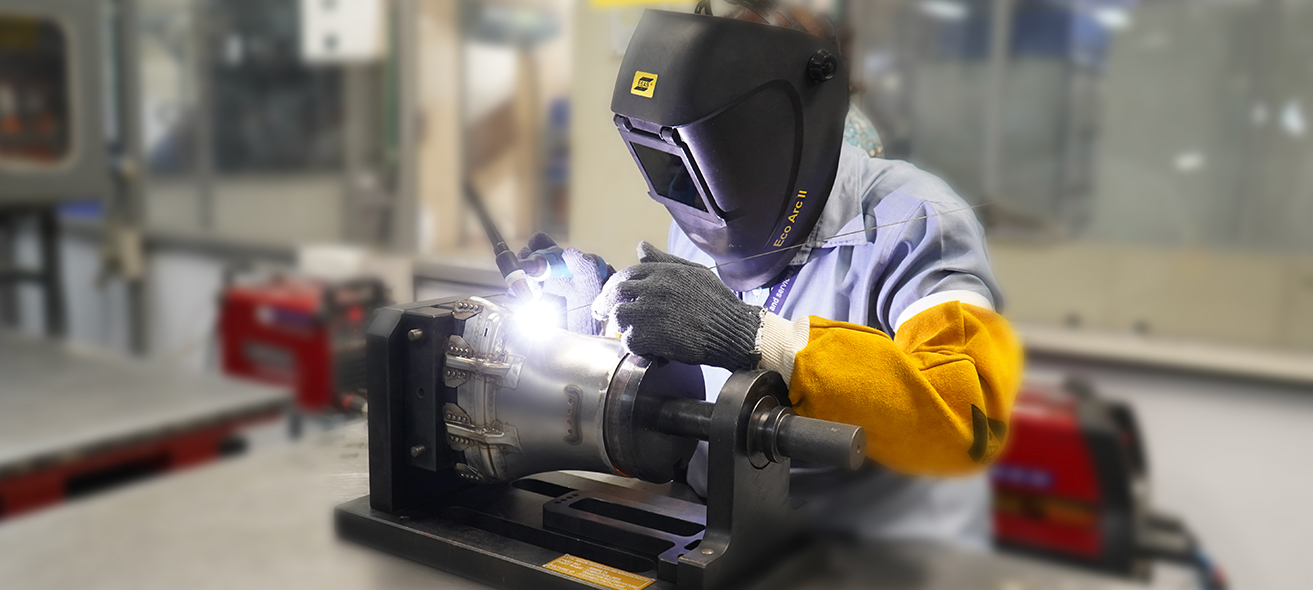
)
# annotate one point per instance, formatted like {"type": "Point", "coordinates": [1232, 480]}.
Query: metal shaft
{"type": "Point", "coordinates": [689, 418]}
{"type": "Point", "coordinates": [819, 441]}
{"type": "Point", "coordinates": [778, 433]}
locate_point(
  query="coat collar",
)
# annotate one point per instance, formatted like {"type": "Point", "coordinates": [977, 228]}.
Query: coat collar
{"type": "Point", "coordinates": [844, 209]}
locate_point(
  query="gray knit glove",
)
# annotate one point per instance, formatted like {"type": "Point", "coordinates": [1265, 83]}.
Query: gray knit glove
{"type": "Point", "coordinates": [671, 308]}
{"type": "Point", "coordinates": [587, 273]}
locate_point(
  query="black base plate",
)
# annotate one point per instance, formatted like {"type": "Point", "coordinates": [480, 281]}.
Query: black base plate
{"type": "Point", "coordinates": [497, 535]}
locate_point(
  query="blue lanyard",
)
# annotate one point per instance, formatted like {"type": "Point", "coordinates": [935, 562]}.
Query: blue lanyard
{"type": "Point", "coordinates": [780, 291]}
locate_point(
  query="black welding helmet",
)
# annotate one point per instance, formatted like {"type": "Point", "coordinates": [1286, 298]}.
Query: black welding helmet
{"type": "Point", "coordinates": [737, 128]}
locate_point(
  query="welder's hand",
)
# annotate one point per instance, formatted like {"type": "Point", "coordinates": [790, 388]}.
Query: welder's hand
{"type": "Point", "coordinates": [671, 308]}
{"type": "Point", "coordinates": [579, 286]}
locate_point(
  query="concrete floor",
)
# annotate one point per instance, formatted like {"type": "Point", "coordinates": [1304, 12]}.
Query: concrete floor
{"type": "Point", "coordinates": [1234, 458]}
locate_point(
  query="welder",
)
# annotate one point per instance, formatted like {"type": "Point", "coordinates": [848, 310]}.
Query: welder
{"type": "Point", "coordinates": [864, 282]}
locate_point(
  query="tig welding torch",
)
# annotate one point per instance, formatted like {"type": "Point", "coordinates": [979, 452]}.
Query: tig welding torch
{"type": "Point", "coordinates": [508, 263]}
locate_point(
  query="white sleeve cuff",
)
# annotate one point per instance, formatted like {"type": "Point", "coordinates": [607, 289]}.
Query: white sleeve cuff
{"type": "Point", "coordinates": [933, 299]}
{"type": "Point", "coordinates": [780, 341]}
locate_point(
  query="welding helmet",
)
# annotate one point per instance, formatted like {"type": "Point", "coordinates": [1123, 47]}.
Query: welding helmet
{"type": "Point", "coordinates": [737, 128]}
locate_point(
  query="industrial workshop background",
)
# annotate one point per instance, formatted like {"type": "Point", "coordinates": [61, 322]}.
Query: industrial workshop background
{"type": "Point", "coordinates": [1144, 170]}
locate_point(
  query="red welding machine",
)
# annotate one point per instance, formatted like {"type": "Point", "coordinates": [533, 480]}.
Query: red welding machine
{"type": "Point", "coordinates": [302, 332]}
{"type": "Point", "coordinates": [1073, 486]}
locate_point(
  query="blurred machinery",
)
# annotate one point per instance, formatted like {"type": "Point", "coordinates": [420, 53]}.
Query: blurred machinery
{"type": "Point", "coordinates": [270, 111]}
{"type": "Point", "coordinates": [1073, 485]}
{"type": "Point", "coordinates": [52, 115]}
{"type": "Point", "coordinates": [53, 134]}
{"type": "Point", "coordinates": [299, 331]}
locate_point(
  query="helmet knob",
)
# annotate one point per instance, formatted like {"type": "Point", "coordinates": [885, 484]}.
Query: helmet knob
{"type": "Point", "coordinates": [821, 66]}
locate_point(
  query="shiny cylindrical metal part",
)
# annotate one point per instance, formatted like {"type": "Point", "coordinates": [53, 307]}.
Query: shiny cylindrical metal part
{"type": "Point", "coordinates": [527, 399]}
{"type": "Point", "coordinates": [530, 401]}
{"type": "Point", "coordinates": [688, 418]}
{"type": "Point", "coordinates": [821, 441]}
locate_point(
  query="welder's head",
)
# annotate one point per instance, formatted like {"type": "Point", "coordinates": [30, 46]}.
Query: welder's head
{"type": "Point", "coordinates": [737, 124]}
{"type": "Point", "coordinates": [771, 12]}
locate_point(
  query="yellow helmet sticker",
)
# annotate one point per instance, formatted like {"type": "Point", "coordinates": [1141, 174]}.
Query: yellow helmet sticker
{"type": "Point", "coordinates": [644, 84]}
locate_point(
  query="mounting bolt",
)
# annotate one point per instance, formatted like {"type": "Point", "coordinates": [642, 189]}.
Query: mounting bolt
{"type": "Point", "coordinates": [708, 551]}
{"type": "Point", "coordinates": [416, 450]}
{"type": "Point", "coordinates": [415, 334]}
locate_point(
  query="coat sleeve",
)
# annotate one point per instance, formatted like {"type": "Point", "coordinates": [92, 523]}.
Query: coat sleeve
{"type": "Point", "coordinates": [934, 400]}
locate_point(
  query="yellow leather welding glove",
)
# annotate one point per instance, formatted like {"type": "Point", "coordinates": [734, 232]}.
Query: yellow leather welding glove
{"type": "Point", "coordinates": [934, 400]}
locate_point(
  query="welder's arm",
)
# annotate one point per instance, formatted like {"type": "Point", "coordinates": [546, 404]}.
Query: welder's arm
{"type": "Point", "coordinates": [934, 400]}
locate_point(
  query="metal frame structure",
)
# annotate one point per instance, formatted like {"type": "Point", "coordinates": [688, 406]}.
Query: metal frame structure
{"type": "Point", "coordinates": [49, 275]}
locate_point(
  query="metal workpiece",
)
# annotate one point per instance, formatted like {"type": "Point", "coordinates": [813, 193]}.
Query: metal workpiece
{"type": "Point", "coordinates": [525, 402]}
{"type": "Point", "coordinates": [536, 399]}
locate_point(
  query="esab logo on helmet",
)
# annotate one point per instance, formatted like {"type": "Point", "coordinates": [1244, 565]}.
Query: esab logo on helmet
{"type": "Point", "coordinates": [644, 84]}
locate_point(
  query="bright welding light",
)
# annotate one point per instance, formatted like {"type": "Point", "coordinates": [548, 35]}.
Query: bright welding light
{"type": "Point", "coordinates": [536, 318]}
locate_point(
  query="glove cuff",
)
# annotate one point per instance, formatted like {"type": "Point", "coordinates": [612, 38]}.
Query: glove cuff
{"type": "Point", "coordinates": [733, 337]}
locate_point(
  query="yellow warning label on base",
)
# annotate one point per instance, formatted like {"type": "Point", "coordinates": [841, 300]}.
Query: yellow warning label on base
{"type": "Point", "coordinates": [602, 575]}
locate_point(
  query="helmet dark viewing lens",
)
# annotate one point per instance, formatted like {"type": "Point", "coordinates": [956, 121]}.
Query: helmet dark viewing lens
{"type": "Point", "coordinates": [669, 176]}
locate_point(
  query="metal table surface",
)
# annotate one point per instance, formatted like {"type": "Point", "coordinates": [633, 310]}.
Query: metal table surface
{"type": "Point", "coordinates": [59, 402]}
{"type": "Point", "coordinates": [265, 521]}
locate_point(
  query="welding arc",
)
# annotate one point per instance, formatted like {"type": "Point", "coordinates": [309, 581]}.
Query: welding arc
{"type": "Point", "coordinates": [822, 241]}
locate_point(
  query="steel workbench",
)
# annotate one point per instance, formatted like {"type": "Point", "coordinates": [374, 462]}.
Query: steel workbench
{"type": "Point", "coordinates": [70, 416]}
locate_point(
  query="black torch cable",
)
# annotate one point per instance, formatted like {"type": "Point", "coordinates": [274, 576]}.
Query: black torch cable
{"type": "Point", "coordinates": [507, 262]}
